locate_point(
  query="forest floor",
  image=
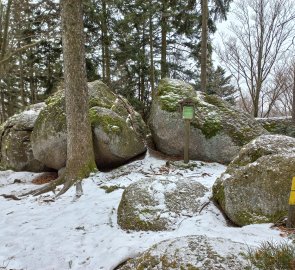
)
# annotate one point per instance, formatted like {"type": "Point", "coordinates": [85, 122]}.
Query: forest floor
{"type": "Point", "coordinates": [56, 234]}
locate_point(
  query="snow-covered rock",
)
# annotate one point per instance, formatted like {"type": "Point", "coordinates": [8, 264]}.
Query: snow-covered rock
{"type": "Point", "coordinates": [159, 204]}
{"type": "Point", "coordinates": [16, 150]}
{"type": "Point", "coordinates": [217, 133]}
{"type": "Point", "coordinates": [49, 134]}
{"type": "Point", "coordinates": [190, 252]}
{"type": "Point", "coordinates": [256, 185]}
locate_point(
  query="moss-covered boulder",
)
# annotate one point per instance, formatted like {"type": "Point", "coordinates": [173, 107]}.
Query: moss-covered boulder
{"type": "Point", "coordinates": [278, 125]}
{"type": "Point", "coordinates": [256, 185]}
{"type": "Point", "coordinates": [115, 141]}
{"type": "Point", "coordinates": [49, 134]}
{"type": "Point", "coordinates": [15, 133]}
{"type": "Point", "coordinates": [190, 253]}
{"type": "Point", "coordinates": [158, 204]}
{"type": "Point", "coordinates": [217, 132]}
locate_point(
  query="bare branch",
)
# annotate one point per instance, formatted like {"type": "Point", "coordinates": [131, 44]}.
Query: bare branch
{"type": "Point", "coordinates": [18, 50]}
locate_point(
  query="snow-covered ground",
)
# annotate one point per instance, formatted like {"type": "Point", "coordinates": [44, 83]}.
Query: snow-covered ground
{"type": "Point", "coordinates": [43, 233]}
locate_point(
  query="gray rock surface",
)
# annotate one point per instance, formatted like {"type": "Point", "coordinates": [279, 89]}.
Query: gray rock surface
{"type": "Point", "coordinates": [217, 133]}
{"type": "Point", "coordinates": [190, 253]}
{"type": "Point", "coordinates": [49, 134]}
{"type": "Point", "coordinates": [159, 204]}
{"type": "Point", "coordinates": [115, 142]}
{"type": "Point", "coordinates": [256, 185]}
{"type": "Point", "coordinates": [16, 151]}
{"type": "Point", "coordinates": [278, 125]}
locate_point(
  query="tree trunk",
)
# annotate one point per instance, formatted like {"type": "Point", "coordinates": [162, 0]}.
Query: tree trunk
{"type": "Point", "coordinates": [152, 69]}
{"type": "Point", "coordinates": [164, 30]}
{"type": "Point", "coordinates": [204, 38]}
{"type": "Point", "coordinates": [142, 66]}
{"type": "Point", "coordinates": [3, 114]}
{"type": "Point", "coordinates": [21, 78]}
{"type": "Point", "coordinates": [293, 98]}
{"type": "Point", "coordinates": [80, 156]}
{"type": "Point", "coordinates": [5, 30]}
{"type": "Point", "coordinates": [106, 44]}
{"type": "Point", "coordinates": [103, 58]}
{"type": "Point", "coordinates": [32, 80]}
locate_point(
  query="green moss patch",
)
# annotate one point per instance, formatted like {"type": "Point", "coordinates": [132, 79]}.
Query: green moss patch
{"type": "Point", "coordinates": [257, 217]}
{"type": "Point", "coordinates": [218, 193]}
{"type": "Point", "coordinates": [110, 189]}
{"type": "Point", "coordinates": [171, 92]}
{"type": "Point", "coordinates": [108, 123]}
{"type": "Point", "coordinates": [52, 115]}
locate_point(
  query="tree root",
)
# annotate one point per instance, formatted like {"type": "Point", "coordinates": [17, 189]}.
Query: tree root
{"type": "Point", "coordinates": [66, 179]}
{"type": "Point", "coordinates": [10, 196]}
{"type": "Point", "coordinates": [48, 187]}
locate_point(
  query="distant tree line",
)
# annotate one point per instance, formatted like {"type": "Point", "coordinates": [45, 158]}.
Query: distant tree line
{"type": "Point", "coordinates": [130, 45]}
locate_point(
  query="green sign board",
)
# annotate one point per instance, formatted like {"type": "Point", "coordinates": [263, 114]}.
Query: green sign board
{"type": "Point", "coordinates": [188, 112]}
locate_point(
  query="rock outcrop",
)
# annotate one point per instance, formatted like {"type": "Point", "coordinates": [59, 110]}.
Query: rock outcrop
{"type": "Point", "coordinates": [191, 253]}
{"type": "Point", "coordinates": [256, 185]}
{"type": "Point", "coordinates": [217, 133]}
{"type": "Point", "coordinates": [278, 125]}
{"type": "Point", "coordinates": [118, 130]}
{"type": "Point", "coordinates": [16, 151]}
{"type": "Point", "coordinates": [158, 204]}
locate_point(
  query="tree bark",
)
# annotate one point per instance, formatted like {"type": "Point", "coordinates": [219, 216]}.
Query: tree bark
{"type": "Point", "coordinates": [142, 67]}
{"type": "Point", "coordinates": [5, 31]}
{"type": "Point", "coordinates": [106, 44]}
{"type": "Point", "coordinates": [204, 38]}
{"type": "Point", "coordinates": [152, 69]}
{"type": "Point", "coordinates": [293, 97]}
{"type": "Point", "coordinates": [164, 30]}
{"type": "Point", "coordinates": [80, 156]}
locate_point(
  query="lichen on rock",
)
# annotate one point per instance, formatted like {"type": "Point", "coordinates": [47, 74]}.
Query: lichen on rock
{"type": "Point", "coordinates": [49, 134]}
{"type": "Point", "coordinates": [278, 125]}
{"type": "Point", "coordinates": [15, 133]}
{"type": "Point", "coordinates": [158, 204]}
{"type": "Point", "coordinates": [215, 125]}
{"type": "Point", "coordinates": [114, 140]}
{"type": "Point", "coordinates": [189, 253]}
{"type": "Point", "coordinates": [255, 187]}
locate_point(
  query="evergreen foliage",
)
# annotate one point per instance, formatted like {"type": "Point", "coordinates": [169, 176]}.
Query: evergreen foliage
{"type": "Point", "coordinates": [130, 45]}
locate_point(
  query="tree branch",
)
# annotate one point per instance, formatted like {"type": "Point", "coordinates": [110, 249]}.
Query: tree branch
{"type": "Point", "coordinates": [21, 49]}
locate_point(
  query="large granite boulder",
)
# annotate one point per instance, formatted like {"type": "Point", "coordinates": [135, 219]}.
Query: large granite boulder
{"type": "Point", "coordinates": [16, 151]}
{"type": "Point", "coordinates": [114, 140]}
{"type": "Point", "coordinates": [190, 253]}
{"type": "Point", "coordinates": [256, 185]}
{"type": "Point", "coordinates": [159, 204]}
{"type": "Point", "coordinates": [118, 130]}
{"type": "Point", "coordinates": [278, 125]}
{"type": "Point", "coordinates": [217, 133]}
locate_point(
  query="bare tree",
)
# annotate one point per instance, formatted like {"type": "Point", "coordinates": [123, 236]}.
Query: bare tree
{"type": "Point", "coordinates": [284, 105]}
{"type": "Point", "coordinates": [259, 37]}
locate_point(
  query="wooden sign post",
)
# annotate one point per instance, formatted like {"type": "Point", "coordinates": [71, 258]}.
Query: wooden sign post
{"type": "Point", "coordinates": [188, 113]}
